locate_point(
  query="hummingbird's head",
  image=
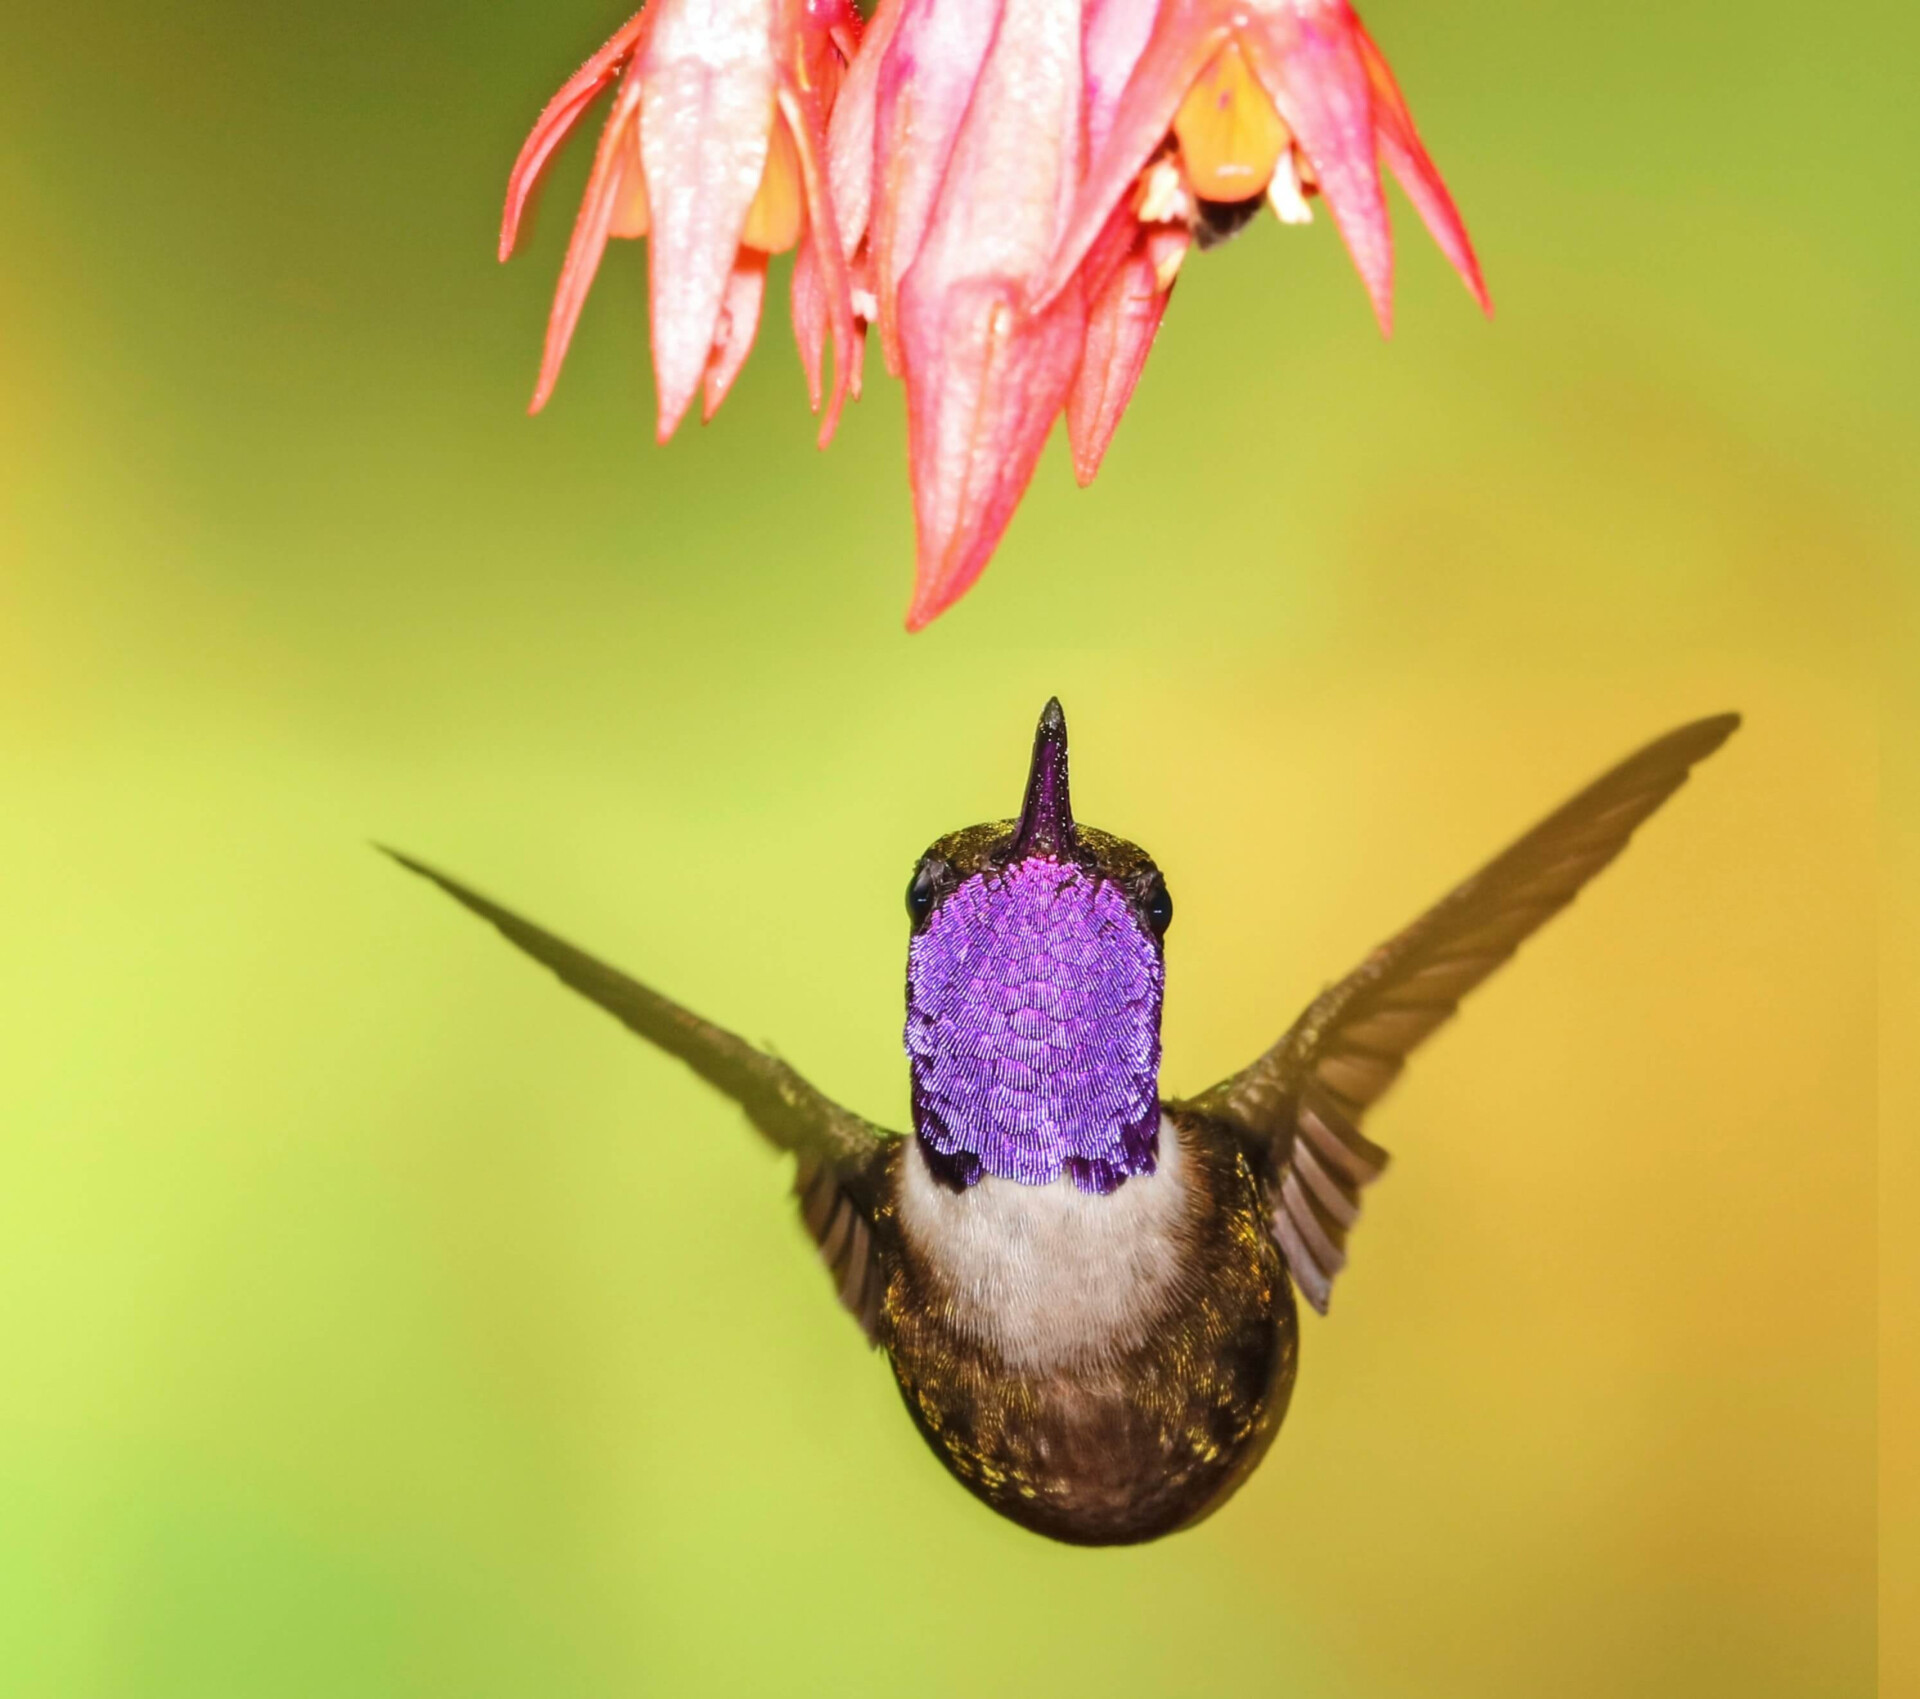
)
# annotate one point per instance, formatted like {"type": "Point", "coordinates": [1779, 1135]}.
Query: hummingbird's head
{"type": "Point", "coordinates": [1034, 981]}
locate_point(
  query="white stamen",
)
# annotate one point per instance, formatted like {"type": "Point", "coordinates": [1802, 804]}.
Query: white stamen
{"type": "Point", "coordinates": [866, 305]}
{"type": "Point", "coordinates": [1163, 197]}
{"type": "Point", "coordinates": [1284, 193]}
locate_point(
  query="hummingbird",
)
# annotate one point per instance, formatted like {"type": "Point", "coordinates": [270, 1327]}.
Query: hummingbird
{"type": "Point", "coordinates": [1086, 1290]}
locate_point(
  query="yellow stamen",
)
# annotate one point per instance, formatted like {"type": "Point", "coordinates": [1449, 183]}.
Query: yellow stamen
{"type": "Point", "coordinates": [1229, 133]}
{"type": "Point", "coordinates": [630, 215]}
{"type": "Point", "coordinates": [774, 219]}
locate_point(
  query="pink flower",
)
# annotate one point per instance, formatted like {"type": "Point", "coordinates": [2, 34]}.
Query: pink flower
{"type": "Point", "coordinates": [1129, 275]}
{"type": "Point", "coordinates": [955, 153]}
{"type": "Point", "coordinates": [1236, 102]}
{"type": "Point", "coordinates": [1006, 188]}
{"type": "Point", "coordinates": [715, 149]}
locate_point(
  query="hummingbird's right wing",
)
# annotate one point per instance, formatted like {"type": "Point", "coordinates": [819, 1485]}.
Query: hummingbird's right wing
{"type": "Point", "coordinates": [1305, 1098]}
{"type": "Point", "coordinates": [840, 1153]}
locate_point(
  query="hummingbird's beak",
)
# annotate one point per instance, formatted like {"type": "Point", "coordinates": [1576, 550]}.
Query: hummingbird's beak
{"type": "Point", "coordinates": [1046, 818]}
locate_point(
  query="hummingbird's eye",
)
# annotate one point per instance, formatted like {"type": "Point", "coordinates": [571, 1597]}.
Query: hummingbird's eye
{"type": "Point", "coordinates": [1159, 908]}
{"type": "Point", "coordinates": [924, 887]}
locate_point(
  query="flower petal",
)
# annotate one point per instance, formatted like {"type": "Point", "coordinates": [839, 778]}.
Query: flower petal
{"type": "Point", "coordinates": [850, 155]}
{"type": "Point", "coordinates": [1121, 323]}
{"type": "Point", "coordinates": [558, 118]}
{"type": "Point", "coordinates": [808, 298]}
{"type": "Point", "coordinates": [860, 277]}
{"type": "Point", "coordinates": [1307, 57]}
{"type": "Point", "coordinates": [735, 329]}
{"type": "Point", "coordinates": [708, 81]}
{"type": "Point", "coordinates": [1185, 36]}
{"type": "Point", "coordinates": [834, 24]}
{"type": "Point", "coordinates": [985, 376]}
{"type": "Point", "coordinates": [984, 382]}
{"type": "Point", "coordinates": [811, 313]}
{"type": "Point", "coordinates": [1117, 242]}
{"type": "Point", "coordinates": [1408, 159]}
{"type": "Point", "coordinates": [805, 122]}
{"type": "Point", "coordinates": [606, 184]}
{"type": "Point", "coordinates": [926, 86]}
{"type": "Point", "coordinates": [1116, 34]}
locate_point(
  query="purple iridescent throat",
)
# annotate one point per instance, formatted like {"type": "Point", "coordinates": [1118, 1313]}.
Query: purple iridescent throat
{"type": "Point", "coordinates": [1033, 1011]}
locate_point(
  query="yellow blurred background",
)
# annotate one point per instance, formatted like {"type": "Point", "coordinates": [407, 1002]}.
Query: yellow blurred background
{"type": "Point", "coordinates": [377, 1318]}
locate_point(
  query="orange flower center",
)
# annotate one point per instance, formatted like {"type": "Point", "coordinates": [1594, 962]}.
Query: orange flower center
{"type": "Point", "coordinates": [1230, 135]}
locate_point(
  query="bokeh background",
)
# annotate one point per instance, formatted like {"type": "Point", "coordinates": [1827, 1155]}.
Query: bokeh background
{"type": "Point", "coordinates": [375, 1318]}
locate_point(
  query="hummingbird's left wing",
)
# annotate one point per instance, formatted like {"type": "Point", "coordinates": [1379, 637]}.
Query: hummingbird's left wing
{"type": "Point", "coordinates": [1306, 1097]}
{"type": "Point", "coordinates": [840, 1153]}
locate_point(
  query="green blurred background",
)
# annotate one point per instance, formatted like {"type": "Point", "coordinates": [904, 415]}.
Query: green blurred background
{"type": "Point", "coordinates": [376, 1318]}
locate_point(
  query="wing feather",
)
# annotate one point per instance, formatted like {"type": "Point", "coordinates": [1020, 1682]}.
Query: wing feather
{"type": "Point", "coordinates": [839, 1151]}
{"type": "Point", "coordinates": [1308, 1094]}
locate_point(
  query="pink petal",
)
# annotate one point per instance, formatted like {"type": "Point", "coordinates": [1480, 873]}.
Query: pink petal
{"type": "Point", "coordinates": [926, 82]}
{"type": "Point", "coordinates": [1306, 55]}
{"type": "Point", "coordinates": [838, 20]}
{"type": "Point", "coordinates": [809, 302]}
{"type": "Point", "coordinates": [708, 81]}
{"type": "Point", "coordinates": [857, 359]}
{"type": "Point", "coordinates": [1408, 159]}
{"type": "Point", "coordinates": [850, 157]}
{"type": "Point", "coordinates": [860, 277]}
{"type": "Point", "coordinates": [1121, 323]}
{"type": "Point", "coordinates": [558, 118]}
{"type": "Point", "coordinates": [1116, 35]}
{"type": "Point", "coordinates": [1015, 159]}
{"type": "Point", "coordinates": [805, 120]}
{"type": "Point", "coordinates": [589, 240]}
{"type": "Point", "coordinates": [985, 376]}
{"type": "Point", "coordinates": [735, 329]}
{"type": "Point", "coordinates": [1185, 36]}
{"type": "Point", "coordinates": [984, 382]}
{"type": "Point", "coordinates": [1115, 245]}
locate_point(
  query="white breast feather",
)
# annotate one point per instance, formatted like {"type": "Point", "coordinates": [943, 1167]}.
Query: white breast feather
{"type": "Point", "coordinates": [1052, 1275]}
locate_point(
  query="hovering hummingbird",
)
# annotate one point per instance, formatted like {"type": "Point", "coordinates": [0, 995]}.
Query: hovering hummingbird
{"type": "Point", "coordinates": [1086, 1290]}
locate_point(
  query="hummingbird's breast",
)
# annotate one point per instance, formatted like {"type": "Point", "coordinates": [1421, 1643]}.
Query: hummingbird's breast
{"type": "Point", "coordinates": [1100, 1368]}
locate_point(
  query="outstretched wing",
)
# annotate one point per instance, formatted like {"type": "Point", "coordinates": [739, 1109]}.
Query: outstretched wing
{"type": "Point", "coordinates": [1308, 1095]}
{"type": "Point", "coordinates": [840, 1153]}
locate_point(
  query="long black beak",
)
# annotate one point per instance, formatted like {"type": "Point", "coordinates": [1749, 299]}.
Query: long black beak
{"type": "Point", "coordinates": [1046, 818]}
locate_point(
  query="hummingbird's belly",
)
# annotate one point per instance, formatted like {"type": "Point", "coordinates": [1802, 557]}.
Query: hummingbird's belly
{"type": "Point", "coordinates": [1102, 1369]}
